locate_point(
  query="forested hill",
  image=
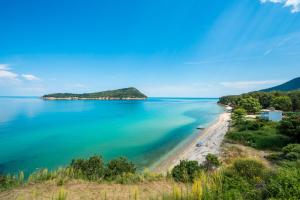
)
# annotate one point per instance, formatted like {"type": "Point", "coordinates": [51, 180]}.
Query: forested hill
{"type": "Point", "coordinates": [293, 84]}
{"type": "Point", "coordinates": [125, 93]}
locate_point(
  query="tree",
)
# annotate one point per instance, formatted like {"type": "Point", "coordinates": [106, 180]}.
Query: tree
{"type": "Point", "coordinates": [186, 171]}
{"type": "Point", "coordinates": [239, 116]}
{"type": "Point", "coordinates": [290, 126]}
{"type": "Point", "coordinates": [282, 103]}
{"type": "Point", "coordinates": [211, 162]}
{"type": "Point", "coordinates": [120, 166]}
{"type": "Point", "coordinates": [265, 99]}
{"type": "Point", "coordinates": [295, 98]}
{"type": "Point", "coordinates": [250, 104]}
{"type": "Point", "coordinates": [92, 168]}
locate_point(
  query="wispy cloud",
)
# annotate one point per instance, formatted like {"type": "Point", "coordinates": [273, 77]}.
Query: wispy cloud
{"type": "Point", "coordinates": [30, 77]}
{"type": "Point", "coordinates": [4, 67]}
{"type": "Point", "coordinates": [8, 75]}
{"type": "Point", "coordinates": [5, 73]}
{"type": "Point", "coordinates": [294, 4]}
{"type": "Point", "coordinates": [248, 84]}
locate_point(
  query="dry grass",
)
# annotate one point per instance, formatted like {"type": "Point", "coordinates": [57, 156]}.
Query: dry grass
{"type": "Point", "coordinates": [232, 151]}
{"type": "Point", "coordinates": [86, 190]}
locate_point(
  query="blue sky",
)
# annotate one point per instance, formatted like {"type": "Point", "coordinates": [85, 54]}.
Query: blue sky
{"type": "Point", "coordinates": [194, 48]}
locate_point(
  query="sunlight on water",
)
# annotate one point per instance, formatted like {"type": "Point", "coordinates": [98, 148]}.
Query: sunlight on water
{"type": "Point", "coordinates": [35, 133]}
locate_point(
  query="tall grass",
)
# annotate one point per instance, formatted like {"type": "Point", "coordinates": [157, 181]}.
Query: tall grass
{"type": "Point", "coordinates": [10, 181]}
{"type": "Point", "coordinates": [62, 195]}
{"type": "Point", "coordinates": [206, 186]}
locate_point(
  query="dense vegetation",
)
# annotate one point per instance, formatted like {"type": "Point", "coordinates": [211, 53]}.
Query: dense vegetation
{"type": "Point", "coordinates": [118, 94]}
{"type": "Point", "coordinates": [286, 101]}
{"type": "Point", "coordinates": [264, 134]}
{"type": "Point", "coordinates": [293, 84]}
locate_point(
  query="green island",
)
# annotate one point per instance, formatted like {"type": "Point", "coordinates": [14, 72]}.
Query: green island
{"type": "Point", "coordinates": [130, 93]}
{"type": "Point", "coordinates": [260, 160]}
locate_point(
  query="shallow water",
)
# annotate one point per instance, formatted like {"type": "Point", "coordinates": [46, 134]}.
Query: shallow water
{"type": "Point", "coordinates": [35, 133]}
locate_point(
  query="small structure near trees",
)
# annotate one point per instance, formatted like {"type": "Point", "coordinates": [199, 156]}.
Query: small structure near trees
{"type": "Point", "coordinates": [271, 114]}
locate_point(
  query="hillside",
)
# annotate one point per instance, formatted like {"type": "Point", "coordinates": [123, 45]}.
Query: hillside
{"type": "Point", "coordinates": [293, 84]}
{"type": "Point", "coordinates": [125, 93]}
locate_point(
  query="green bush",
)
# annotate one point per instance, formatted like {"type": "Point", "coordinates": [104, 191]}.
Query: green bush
{"type": "Point", "coordinates": [238, 116]}
{"type": "Point", "coordinates": [92, 168]}
{"type": "Point", "coordinates": [186, 171]}
{"type": "Point", "coordinates": [119, 166]}
{"type": "Point", "coordinates": [291, 148]}
{"type": "Point", "coordinates": [244, 180]}
{"type": "Point", "coordinates": [290, 126]}
{"type": "Point", "coordinates": [264, 138]}
{"type": "Point", "coordinates": [211, 162]}
{"type": "Point", "coordinates": [235, 186]}
{"type": "Point", "coordinates": [285, 184]}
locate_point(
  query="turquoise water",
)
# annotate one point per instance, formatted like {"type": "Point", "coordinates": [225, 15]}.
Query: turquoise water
{"type": "Point", "coordinates": [35, 133]}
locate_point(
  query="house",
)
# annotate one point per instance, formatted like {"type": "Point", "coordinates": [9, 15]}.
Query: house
{"type": "Point", "coordinates": [271, 115]}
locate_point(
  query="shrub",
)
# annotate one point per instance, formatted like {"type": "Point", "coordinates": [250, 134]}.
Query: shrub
{"type": "Point", "coordinates": [235, 186]}
{"type": "Point", "coordinates": [285, 184]}
{"type": "Point", "coordinates": [7, 181]}
{"type": "Point", "coordinates": [253, 125]}
{"type": "Point", "coordinates": [211, 162]}
{"type": "Point", "coordinates": [92, 168]}
{"type": "Point", "coordinates": [266, 138]}
{"type": "Point", "coordinates": [291, 148]}
{"type": "Point", "coordinates": [120, 166]}
{"type": "Point", "coordinates": [248, 168]}
{"type": "Point", "coordinates": [186, 171]}
{"type": "Point", "coordinates": [290, 126]}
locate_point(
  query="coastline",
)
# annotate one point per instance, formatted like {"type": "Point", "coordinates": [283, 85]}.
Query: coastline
{"type": "Point", "coordinates": [211, 138]}
{"type": "Point", "coordinates": [98, 98]}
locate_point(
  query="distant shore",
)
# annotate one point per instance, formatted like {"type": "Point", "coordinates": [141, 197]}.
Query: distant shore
{"type": "Point", "coordinates": [99, 98]}
{"type": "Point", "coordinates": [210, 138]}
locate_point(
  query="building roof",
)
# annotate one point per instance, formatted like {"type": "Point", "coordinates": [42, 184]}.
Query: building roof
{"type": "Point", "coordinates": [269, 110]}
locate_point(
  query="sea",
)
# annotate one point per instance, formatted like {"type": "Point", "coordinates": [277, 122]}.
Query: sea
{"type": "Point", "coordinates": [37, 133]}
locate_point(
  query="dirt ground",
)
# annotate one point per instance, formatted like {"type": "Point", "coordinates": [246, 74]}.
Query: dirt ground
{"type": "Point", "coordinates": [76, 190]}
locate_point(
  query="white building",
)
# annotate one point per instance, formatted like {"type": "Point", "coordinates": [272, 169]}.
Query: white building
{"type": "Point", "coordinates": [271, 115]}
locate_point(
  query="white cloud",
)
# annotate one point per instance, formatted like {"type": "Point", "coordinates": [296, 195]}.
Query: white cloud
{"type": "Point", "coordinates": [30, 77]}
{"type": "Point", "coordinates": [294, 4]}
{"type": "Point", "coordinates": [7, 74]}
{"type": "Point", "coordinates": [248, 84]}
{"type": "Point", "coordinates": [4, 67]}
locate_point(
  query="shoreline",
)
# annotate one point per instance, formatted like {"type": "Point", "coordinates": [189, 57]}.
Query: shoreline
{"type": "Point", "coordinates": [211, 138]}
{"type": "Point", "coordinates": [96, 98]}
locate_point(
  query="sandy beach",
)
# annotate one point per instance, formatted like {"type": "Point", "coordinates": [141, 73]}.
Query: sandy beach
{"type": "Point", "coordinates": [211, 138]}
